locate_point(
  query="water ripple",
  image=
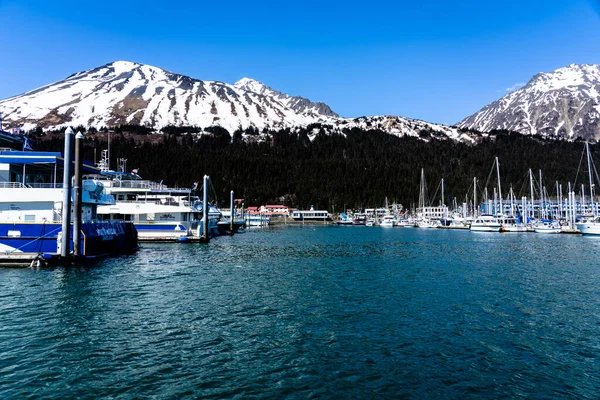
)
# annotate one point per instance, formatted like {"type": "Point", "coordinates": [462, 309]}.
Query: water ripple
{"type": "Point", "coordinates": [311, 312]}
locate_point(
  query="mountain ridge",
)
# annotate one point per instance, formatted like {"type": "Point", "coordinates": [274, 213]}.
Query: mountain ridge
{"type": "Point", "coordinates": [561, 103]}
{"type": "Point", "coordinates": [129, 93]}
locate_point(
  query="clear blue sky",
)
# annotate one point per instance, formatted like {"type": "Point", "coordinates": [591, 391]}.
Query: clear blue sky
{"type": "Point", "coordinates": [439, 61]}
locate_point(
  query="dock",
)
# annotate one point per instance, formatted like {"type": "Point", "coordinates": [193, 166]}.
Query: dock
{"type": "Point", "coordinates": [26, 260]}
{"type": "Point", "coordinates": [170, 239]}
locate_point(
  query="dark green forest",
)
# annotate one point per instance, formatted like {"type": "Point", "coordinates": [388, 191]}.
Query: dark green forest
{"type": "Point", "coordinates": [332, 171]}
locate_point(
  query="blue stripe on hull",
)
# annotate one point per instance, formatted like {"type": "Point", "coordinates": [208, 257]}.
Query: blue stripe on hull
{"type": "Point", "coordinates": [167, 228]}
{"type": "Point", "coordinates": [96, 238]}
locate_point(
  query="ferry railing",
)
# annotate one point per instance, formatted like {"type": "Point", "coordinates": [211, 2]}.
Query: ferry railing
{"type": "Point", "coordinates": [20, 185]}
{"type": "Point", "coordinates": [137, 184]}
{"type": "Point", "coordinates": [11, 185]}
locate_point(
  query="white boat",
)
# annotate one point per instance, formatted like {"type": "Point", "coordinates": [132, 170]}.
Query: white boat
{"type": "Point", "coordinates": [311, 215]}
{"type": "Point", "coordinates": [516, 227]}
{"type": "Point", "coordinates": [425, 223]}
{"type": "Point", "coordinates": [371, 222]}
{"type": "Point", "coordinates": [548, 227]}
{"type": "Point", "coordinates": [510, 224]}
{"type": "Point", "coordinates": [158, 212]}
{"type": "Point", "coordinates": [387, 221]}
{"type": "Point", "coordinates": [345, 220]}
{"type": "Point", "coordinates": [486, 223]}
{"type": "Point", "coordinates": [406, 223]}
{"type": "Point", "coordinates": [589, 226]}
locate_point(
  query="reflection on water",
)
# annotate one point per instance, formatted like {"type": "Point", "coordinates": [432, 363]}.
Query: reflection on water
{"type": "Point", "coordinates": [313, 311]}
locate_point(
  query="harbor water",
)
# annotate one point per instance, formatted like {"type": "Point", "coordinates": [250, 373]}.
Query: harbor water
{"type": "Point", "coordinates": [312, 312]}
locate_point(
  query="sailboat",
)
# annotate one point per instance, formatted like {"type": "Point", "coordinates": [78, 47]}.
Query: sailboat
{"type": "Point", "coordinates": [424, 220]}
{"type": "Point", "coordinates": [489, 222]}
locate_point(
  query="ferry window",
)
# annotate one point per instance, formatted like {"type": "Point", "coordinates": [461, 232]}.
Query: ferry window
{"type": "Point", "coordinates": [29, 217]}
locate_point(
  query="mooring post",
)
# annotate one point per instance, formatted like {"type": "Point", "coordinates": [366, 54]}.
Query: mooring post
{"type": "Point", "coordinates": [66, 206]}
{"type": "Point", "coordinates": [77, 195]}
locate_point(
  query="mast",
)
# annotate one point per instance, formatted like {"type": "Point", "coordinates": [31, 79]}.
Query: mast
{"type": "Point", "coordinates": [542, 209]}
{"type": "Point", "coordinates": [589, 161]}
{"type": "Point", "coordinates": [582, 199]}
{"type": "Point", "coordinates": [422, 192]}
{"type": "Point", "coordinates": [474, 197]}
{"type": "Point", "coordinates": [558, 196]}
{"type": "Point", "coordinates": [531, 190]}
{"type": "Point", "coordinates": [499, 188]}
{"type": "Point", "coordinates": [108, 152]}
{"type": "Point", "coordinates": [443, 192]}
{"type": "Point", "coordinates": [511, 194]}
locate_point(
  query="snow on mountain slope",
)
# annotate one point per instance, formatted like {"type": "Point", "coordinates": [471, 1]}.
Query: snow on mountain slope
{"type": "Point", "coordinates": [129, 93]}
{"type": "Point", "coordinates": [563, 103]}
{"type": "Point", "coordinates": [124, 92]}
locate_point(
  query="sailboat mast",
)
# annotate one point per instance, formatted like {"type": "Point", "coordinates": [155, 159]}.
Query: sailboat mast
{"type": "Point", "coordinates": [474, 197]}
{"type": "Point", "coordinates": [443, 192]}
{"type": "Point", "coordinates": [531, 190]}
{"type": "Point", "coordinates": [422, 191]}
{"type": "Point", "coordinates": [499, 188]}
{"type": "Point", "coordinates": [589, 161]}
{"type": "Point", "coordinates": [541, 197]}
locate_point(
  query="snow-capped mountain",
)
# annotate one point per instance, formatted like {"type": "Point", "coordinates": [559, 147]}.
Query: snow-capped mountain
{"type": "Point", "coordinates": [130, 93]}
{"type": "Point", "coordinates": [299, 105]}
{"type": "Point", "coordinates": [124, 92]}
{"type": "Point", "coordinates": [562, 103]}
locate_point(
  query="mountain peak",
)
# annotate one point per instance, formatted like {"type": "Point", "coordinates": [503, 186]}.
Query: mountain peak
{"type": "Point", "coordinates": [125, 92]}
{"type": "Point", "coordinates": [251, 85]}
{"type": "Point", "coordinates": [561, 103]}
{"type": "Point", "coordinates": [123, 66]}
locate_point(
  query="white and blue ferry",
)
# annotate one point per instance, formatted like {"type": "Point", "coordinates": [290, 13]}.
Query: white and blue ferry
{"type": "Point", "coordinates": [159, 213]}
{"type": "Point", "coordinates": [31, 197]}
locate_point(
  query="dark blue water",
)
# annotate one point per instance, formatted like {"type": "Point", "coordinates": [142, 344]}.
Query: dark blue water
{"type": "Point", "coordinates": [312, 312]}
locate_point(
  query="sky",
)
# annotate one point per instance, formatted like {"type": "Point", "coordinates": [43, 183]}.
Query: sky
{"type": "Point", "coordinates": [438, 60]}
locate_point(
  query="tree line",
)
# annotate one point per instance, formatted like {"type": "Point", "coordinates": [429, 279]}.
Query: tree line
{"type": "Point", "coordinates": [354, 168]}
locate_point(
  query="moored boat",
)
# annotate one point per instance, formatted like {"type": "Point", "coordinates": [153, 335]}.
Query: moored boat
{"type": "Point", "coordinates": [590, 226]}
{"type": "Point", "coordinates": [486, 223]}
{"type": "Point", "coordinates": [31, 209]}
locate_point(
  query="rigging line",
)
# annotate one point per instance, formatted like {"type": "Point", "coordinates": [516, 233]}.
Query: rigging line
{"type": "Point", "coordinates": [524, 185]}
{"type": "Point", "coordinates": [595, 171]}
{"type": "Point", "coordinates": [39, 238]}
{"type": "Point", "coordinates": [579, 167]}
{"type": "Point", "coordinates": [490, 174]}
{"type": "Point", "coordinates": [435, 193]}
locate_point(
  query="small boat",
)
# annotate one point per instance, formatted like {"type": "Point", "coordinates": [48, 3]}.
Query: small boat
{"type": "Point", "coordinates": [345, 220]}
{"type": "Point", "coordinates": [426, 223]}
{"type": "Point", "coordinates": [486, 223]}
{"type": "Point", "coordinates": [387, 221]}
{"type": "Point", "coordinates": [516, 227]}
{"type": "Point", "coordinates": [589, 226]}
{"type": "Point", "coordinates": [360, 219]}
{"type": "Point", "coordinates": [406, 223]}
{"type": "Point", "coordinates": [548, 227]}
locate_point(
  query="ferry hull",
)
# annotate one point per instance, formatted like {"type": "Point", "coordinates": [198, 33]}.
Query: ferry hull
{"type": "Point", "coordinates": [102, 238]}
{"type": "Point", "coordinates": [161, 232]}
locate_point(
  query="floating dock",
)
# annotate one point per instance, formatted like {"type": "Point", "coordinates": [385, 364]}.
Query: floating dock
{"type": "Point", "coordinates": [26, 260]}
